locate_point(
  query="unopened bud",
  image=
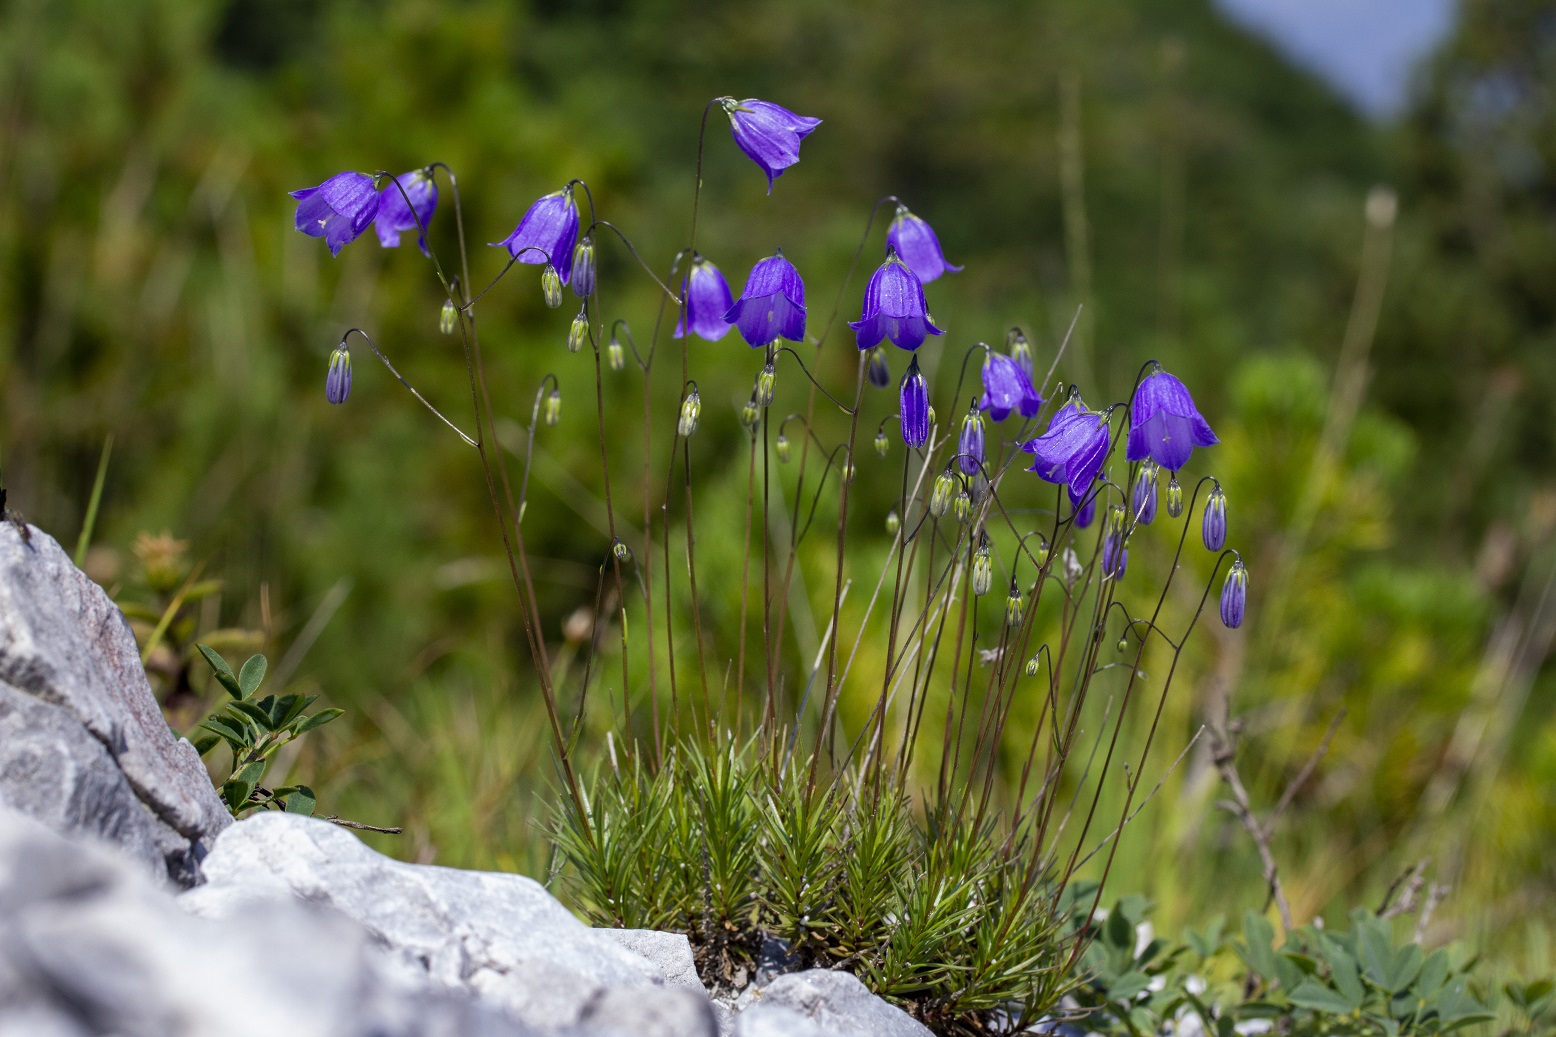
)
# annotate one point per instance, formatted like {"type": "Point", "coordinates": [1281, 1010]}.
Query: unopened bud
{"type": "Point", "coordinates": [878, 371]}
{"type": "Point", "coordinates": [1123, 642]}
{"type": "Point", "coordinates": [1214, 529]}
{"type": "Point", "coordinates": [578, 334]}
{"type": "Point", "coordinates": [781, 448]}
{"type": "Point", "coordinates": [1174, 497]}
{"type": "Point", "coordinates": [962, 506]}
{"type": "Point", "coordinates": [931, 416]}
{"type": "Point", "coordinates": [551, 286]}
{"type": "Point", "coordinates": [449, 318]}
{"type": "Point", "coordinates": [553, 407]}
{"type": "Point", "coordinates": [882, 444]}
{"type": "Point", "coordinates": [622, 552]}
{"type": "Point", "coordinates": [1072, 567]}
{"type": "Point", "coordinates": [337, 384]}
{"type": "Point", "coordinates": [893, 522]}
{"type": "Point", "coordinates": [1143, 498]}
{"type": "Point", "coordinates": [982, 568]}
{"type": "Point", "coordinates": [941, 493]}
{"type": "Point", "coordinates": [1014, 607]}
{"type": "Point", "coordinates": [615, 356]}
{"type": "Point", "coordinates": [1019, 349]}
{"type": "Point", "coordinates": [583, 268]}
{"type": "Point", "coordinates": [1234, 596]}
{"type": "Point", "coordinates": [1034, 666]}
{"type": "Point", "coordinates": [1041, 554]}
{"type": "Point", "coordinates": [750, 417]}
{"type": "Point", "coordinates": [848, 471]}
{"type": "Point", "coordinates": [766, 383]}
{"type": "Point", "coordinates": [691, 411]}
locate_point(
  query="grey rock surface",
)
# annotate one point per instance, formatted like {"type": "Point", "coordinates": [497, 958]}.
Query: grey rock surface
{"type": "Point", "coordinates": [837, 1003]}
{"type": "Point", "coordinates": [654, 1012]}
{"type": "Point", "coordinates": [91, 945]}
{"type": "Point", "coordinates": [101, 760]}
{"type": "Point", "coordinates": [776, 1021]}
{"type": "Point", "coordinates": [501, 937]}
{"type": "Point", "coordinates": [669, 953]}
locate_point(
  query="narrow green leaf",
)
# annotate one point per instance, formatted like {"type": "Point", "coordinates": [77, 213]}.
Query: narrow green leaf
{"type": "Point", "coordinates": [1129, 986]}
{"type": "Point", "coordinates": [1320, 998]}
{"type": "Point", "coordinates": [252, 673]}
{"type": "Point", "coordinates": [223, 672]}
{"type": "Point", "coordinates": [224, 727]}
{"type": "Point", "coordinates": [1259, 939]}
{"type": "Point", "coordinates": [319, 719]}
{"type": "Point", "coordinates": [254, 713]}
{"type": "Point", "coordinates": [205, 743]}
{"type": "Point", "coordinates": [1346, 977]}
{"type": "Point", "coordinates": [1404, 965]}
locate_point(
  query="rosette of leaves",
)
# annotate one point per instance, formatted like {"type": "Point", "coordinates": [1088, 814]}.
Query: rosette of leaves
{"type": "Point", "coordinates": [255, 729]}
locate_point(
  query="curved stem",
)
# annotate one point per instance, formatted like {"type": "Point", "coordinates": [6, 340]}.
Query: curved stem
{"type": "Point", "coordinates": [376, 352]}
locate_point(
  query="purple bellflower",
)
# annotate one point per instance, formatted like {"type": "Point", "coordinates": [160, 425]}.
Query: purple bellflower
{"type": "Point", "coordinates": [547, 233]}
{"type": "Point", "coordinates": [338, 210]}
{"type": "Point", "coordinates": [914, 412]}
{"type": "Point", "coordinates": [1086, 512]}
{"type": "Point", "coordinates": [970, 444]}
{"type": "Point", "coordinates": [1006, 388]}
{"type": "Point", "coordinates": [1164, 424]}
{"type": "Point", "coordinates": [1234, 596]}
{"type": "Point", "coordinates": [772, 305]}
{"type": "Point", "coordinates": [337, 384]}
{"type": "Point", "coordinates": [1142, 501]}
{"type": "Point", "coordinates": [707, 300]}
{"type": "Point", "coordinates": [916, 242]}
{"type": "Point", "coordinates": [396, 217]}
{"type": "Point", "coordinates": [769, 134]}
{"type": "Point", "coordinates": [894, 308]}
{"type": "Point", "coordinates": [1071, 452]}
{"type": "Point", "coordinates": [1213, 528]}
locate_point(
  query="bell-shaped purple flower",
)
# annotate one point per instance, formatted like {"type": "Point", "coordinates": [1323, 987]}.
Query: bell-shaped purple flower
{"type": "Point", "coordinates": [1006, 388]}
{"type": "Point", "coordinates": [772, 305]}
{"type": "Point", "coordinates": [1234, 596]}
{"type": "Point", "coordinates": [406, 203]}
{"type": "Point", "coordinates": [914, 412]}
{"type": "Point", "coordinates": [547, 233]}
{"type": "Point", "coordinates": [707, 300]}
{"type": "Point", "coordinates": [1071, 452]}
{"type": "Point", "coordinates": [769, 134]}
{"type": "Point", "coordinates": [916, 242]}
{"type": "Point", "coordinates": [338, 210]}
{"type": "Point", "coordinates": [970, 444]}
{"type": "Point", "coordinates": [894, 308]}
{"type": "Point", "coordinates": [337, 384]}
{"type": "Point", "coordinates": [1164, 424]}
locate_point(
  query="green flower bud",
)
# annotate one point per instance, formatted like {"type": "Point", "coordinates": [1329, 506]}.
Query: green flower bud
{"type": "Point", "coordinates": [781, 448]}
{"type": "Point", "coordinates": [1034, 666]}
{"type": "Point", "coordinates": [766, 383]}
{"type": "Point", "coordinates": [621, 550]}
{"type": "Point", "coordinates": [750, 417]}
{"type": "Point", "coordinates": [982, 568]}
{"type": "Point", "coordinates": [1014, 607]}
{"type": "Point", "coordinates": [1174, 497]}
{"type": "Point", "coordinates": [1019, 349]}
{"type": "Point", "coordinates": [882, 444]}
{"type": "Point", "coordinates": [551, 286]}
{"type": "Point", "coordinates": [553, 407]}
{"type": "Point", "coordinates": [1123, 643]}
{"type": "Point", "coordinates": [848, 471]}
{"type": "Point", "coordinates": [449, 318]}
{"type": "Point", "coordinates": [1041, 554]}
{"type": "Point", "coordinates": [962, 506]}
{"type": "Point", "coordinates": [893, 523]}
{"type": "Point", "coordinates": [615, 356]}
{"type": "Point", "coordinates": [931, 416]}
{"type": "Point", "coordinates": [941, 494]}
{"type": "Point", "coordinates": [691, 410]}
{"type": "Point", "coordinates": [578, 334]}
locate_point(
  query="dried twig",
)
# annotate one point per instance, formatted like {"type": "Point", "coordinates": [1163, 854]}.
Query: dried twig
{"type": "Point", "coordinates": [359, 826]}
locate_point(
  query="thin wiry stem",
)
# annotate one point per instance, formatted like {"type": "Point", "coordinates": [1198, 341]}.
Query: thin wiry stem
{"type": "Point", "coordinates": [379, 354]}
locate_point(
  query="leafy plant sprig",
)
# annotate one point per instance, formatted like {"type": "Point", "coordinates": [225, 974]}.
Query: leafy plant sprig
{"type": "Point", "coordinates": [255, 729]}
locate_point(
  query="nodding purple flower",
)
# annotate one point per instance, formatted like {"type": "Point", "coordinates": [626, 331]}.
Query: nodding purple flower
{"type": "Point", "coordinates": [769, 134]}
{"type": "Point", "coordinates": [1213, 530]}
{"type": "Point", "coordinates": [969, 445]}
{"type": "Point", "coordinates": [916, 242]}
{"type": "Point", "coordinates": [877, 369]}
{"type": "Point", "coordinates": [1142, 502]}
{"type": "Point", "coordinates": [396, 216]}
{"type": "Point", "coordinates": [337, 384]}
{"type": "Point", "coordinates": [1086, 512]}
{"type": "Point", "coordinates": [914, 412]}
{"type": "Point", "coordinates": [894, 308]}
{"type": "Point", "coordinates": [1073, 449]}
{"type": "Point", "coordinates": [1115, 548]}
{"type": "Point", "coordinates": [1006, 388]}
{"type": "Point", "coordinates": [583, 267]}
{"type": "Point", "coordinates": [1234, 596]}
{"type": "Point", "coordinates": [338, 210]}
{"type": "Point", "coordinates": [547, 233]}
{"type": "Point", "coordinates": [1164, 424]}
{"type": "Point", "coordinates": [707, 300]}
{"type": "Point", "coordinates": [772, 305]}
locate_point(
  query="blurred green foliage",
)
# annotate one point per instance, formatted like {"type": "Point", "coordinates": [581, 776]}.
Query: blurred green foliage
{"type": "Point", "coordinates": [152, 287]}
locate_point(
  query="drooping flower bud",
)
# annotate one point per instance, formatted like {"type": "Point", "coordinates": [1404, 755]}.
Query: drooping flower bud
{"type": "Point", "coordinates": [551, 286]}
{"type": "Point", "coordinates": [615, 356]}
{"type": "Point", "coordinates": [893, 522]}
{"type": "Point", "coordinates": [1014, 607]}
{"type": "Point", "coordinates": [1041, 554]}
{"type": "Point", "coordinates": [691, 411]}
{"type": "Point", "coordinates": [1234, 595]}
{"type": "Point", "coordinates": [448, 319]}
{"type": "Point", "coordinates": [913, 412]}
{"type": "Point", "coordinates": [1214, 528]}
{"type": "Point", "coordinates": [931, 417]}
{"type": "Point", "coordinates": [337, 384]}
{"type": "Point", "coordinates": [1143, 500]}
{"type": "Point", "coordinates": [1174, 497]}
{"type": "Point", "coordinates": [1019, 349]}
{"type": "Point", "coordinates": [848, 470]}
{"type": "Point", "coordinates": [1115, 548]}
{"type": "Point", "coordinates": [1123, 642]}
{"type": "Point", "coordinates": [578, 333]}
{"type": "Point", "coordinates": [982, 567]}
{"type": "Point", "coordinates": [961, 507]}
{"type": "Point", "coordinates": [618, 547]}
{"type": "Point", "coordinates": [1072, 567]}
{"type": "Point", "coordinates": [941, 493]}
{"type": "Point", "coordinates": [1034, 666]}
{"type": "Point", "coordinates": [766, 383]}
{"type": "Point", "coordinates": [583, 268]}
{"type": "Point", "coordinates": [877, 369]}
{"type": "Point", "coordinates": [969, 446]}
{"type": "Point", "coordinates": [553, 407]}
{"type": "Point", "coordinates": [750, 417]}
{"type": "Point", "coordinates": [1086, 512]}
{"type": "Point", "coordinates": [781, 448]}
{"type": "Point", "coordinates": [882, 444]}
